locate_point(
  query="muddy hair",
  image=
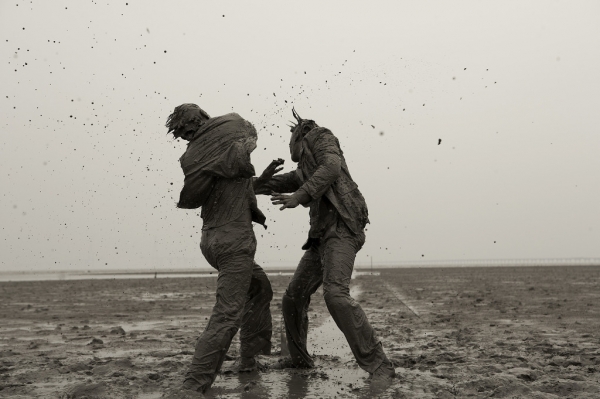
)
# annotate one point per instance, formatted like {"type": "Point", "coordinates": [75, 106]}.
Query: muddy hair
{"type": "Point", "coordinates": [303, 126]}
{"type": "Point", "coordinates": [185, 114]}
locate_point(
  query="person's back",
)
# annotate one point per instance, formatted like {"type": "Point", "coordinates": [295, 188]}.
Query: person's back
{"type": "Point", "coordinates": [227, 201]}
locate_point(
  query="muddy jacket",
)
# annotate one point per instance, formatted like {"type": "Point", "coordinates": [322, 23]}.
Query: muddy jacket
{"type": "Point", "coordinates": [218, 172]}
{"type": "Point", "coordinates": [322, 173]}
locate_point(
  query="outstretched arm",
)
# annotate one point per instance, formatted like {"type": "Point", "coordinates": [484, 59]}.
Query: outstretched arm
{"type": "Point", "coordinates": [261, 181]}
{"type": "Point", "coordinates": [327, 154]}
{"type": "Point", "coordinates": [290, 201]}
{"type": "Point", "coordinates": [268, 183]}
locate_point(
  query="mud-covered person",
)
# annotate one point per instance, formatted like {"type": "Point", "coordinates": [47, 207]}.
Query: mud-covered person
{"type": "Point", "coordinates": [218, 178]}
{"type": "Point", "coordinates": [338, 215]}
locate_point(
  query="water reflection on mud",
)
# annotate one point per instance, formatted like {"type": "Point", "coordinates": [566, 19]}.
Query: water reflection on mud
{"type": "Point", "coordinates": [330, 378]}
{"type": "Point", "coordinates": [336, 373]}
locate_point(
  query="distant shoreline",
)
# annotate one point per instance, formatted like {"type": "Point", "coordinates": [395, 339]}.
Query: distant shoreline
{"type": "Point", "coordinates": [267, 266]}
{"type": "Point", "coordinates": [14, 276]}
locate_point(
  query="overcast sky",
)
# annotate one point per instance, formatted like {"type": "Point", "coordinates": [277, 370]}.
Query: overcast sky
{"type": "Point", "coordinates": [90, 180]}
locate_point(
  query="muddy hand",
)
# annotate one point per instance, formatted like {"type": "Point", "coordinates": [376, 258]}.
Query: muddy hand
{"type": "Point", "coordinates": [273, 168]}
{"type": "Point", "coordinates": [288, 201]}
{"type": "Point", "coordinates": [262, 181]}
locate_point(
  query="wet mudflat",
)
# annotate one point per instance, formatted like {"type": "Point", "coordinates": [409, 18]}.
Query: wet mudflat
{"type": "Point", "coordinates": [452, 333]}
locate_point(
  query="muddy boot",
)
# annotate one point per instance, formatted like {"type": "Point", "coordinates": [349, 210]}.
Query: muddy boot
{"type": "Point", "coordinates": [191, 388]}
{"type": "Point", "coordinates": [383, 377]}
{"type": "Point", "coordinates": [243, 365]}
{"type": "Point", "coordinates": [248, 364]}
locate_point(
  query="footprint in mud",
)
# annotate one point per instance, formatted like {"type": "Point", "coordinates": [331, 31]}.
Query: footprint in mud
{"type": "Point", "coordinates": [112, 367]}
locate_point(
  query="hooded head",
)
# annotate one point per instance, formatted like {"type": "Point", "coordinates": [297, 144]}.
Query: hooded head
{"type": "Point", "coordinates": [185, 120]}
{"type": "Point", "coordinates": [299, 130]}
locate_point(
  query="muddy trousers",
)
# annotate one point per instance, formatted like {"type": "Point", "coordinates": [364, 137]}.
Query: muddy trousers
{"type": "Point", "coordinates": [243, 299]}
{"type": "Point", "coordinates": [330, 263]}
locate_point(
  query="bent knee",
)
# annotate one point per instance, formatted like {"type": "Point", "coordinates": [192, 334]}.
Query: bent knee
{"type": "Point", "coordinates": [287, 299]}
{"type": "Point", "coordinates": [261, 286]}
{"type": "Point", "coordinates": [267, 291]}
{"type": "Point", "coordinates": [265, 288]}
{"type": "Point", "coordinates": [336, 296]}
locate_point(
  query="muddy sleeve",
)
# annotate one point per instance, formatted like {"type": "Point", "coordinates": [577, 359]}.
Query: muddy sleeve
{"type": "Point", "coordinates": [326, 151]}
{"type": "Point", "coordinates": [234, 163]}
{"type": "Point", "coordinates": [284, 183]}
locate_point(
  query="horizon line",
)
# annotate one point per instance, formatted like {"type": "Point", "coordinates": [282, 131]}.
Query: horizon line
{"type": "Point", "coordinates": [361, 265]}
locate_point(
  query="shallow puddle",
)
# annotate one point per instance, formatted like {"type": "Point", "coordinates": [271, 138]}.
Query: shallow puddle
{"type": "Point", "coordinates": [142, 325]}
{"type": "Point", "coordinates": [153, 325]}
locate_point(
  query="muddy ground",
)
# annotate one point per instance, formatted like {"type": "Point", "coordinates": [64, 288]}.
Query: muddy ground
{"type": "Point", "coordinates": [453, 333]}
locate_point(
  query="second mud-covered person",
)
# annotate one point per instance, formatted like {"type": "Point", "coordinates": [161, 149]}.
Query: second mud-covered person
{"type": "Point", "coordinates": [338, 215]}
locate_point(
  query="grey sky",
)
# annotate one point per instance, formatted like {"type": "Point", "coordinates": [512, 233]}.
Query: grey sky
{"type": "Point", "coordinates": [90, 180]}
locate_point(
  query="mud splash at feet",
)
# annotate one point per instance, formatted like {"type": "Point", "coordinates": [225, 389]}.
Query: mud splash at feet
{"type": "Point", "coordinates": [336, 373]}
